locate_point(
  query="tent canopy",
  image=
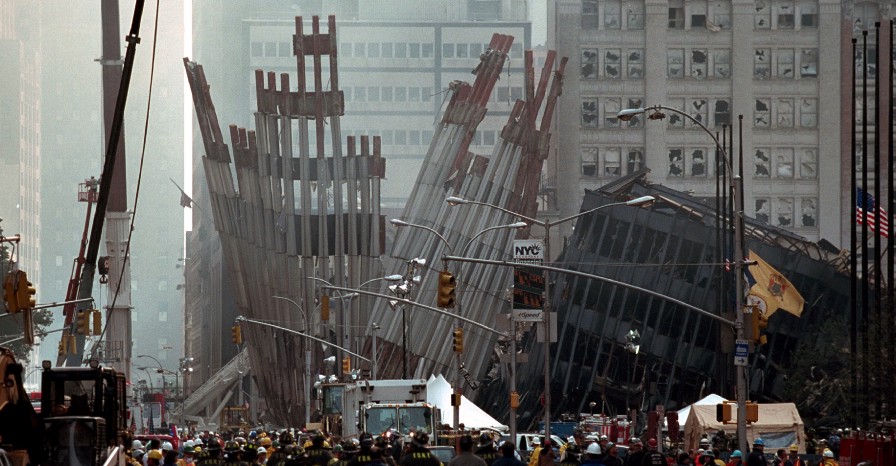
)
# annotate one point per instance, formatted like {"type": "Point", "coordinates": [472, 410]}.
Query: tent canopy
{"type": "Point", "coordinates": [438, 392]}
{"type": "Point", "coordinates": [711, 399]}
{"type": "Point", "coordinates": [779, 426]}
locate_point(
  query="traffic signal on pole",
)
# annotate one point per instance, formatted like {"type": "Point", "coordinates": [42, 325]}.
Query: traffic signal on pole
{"type": "Point", "coordinates": [458, 340]}
{"type": "Point", "coordinates": [723, 412]}
{"type": "Point", "coordinates": [324, 308]}
{"type": "Point", "coordinates": [752, 412]}
{"type": "Point", "coordinates": [346, 366]}
{"type": "Point", "coordinates": [83, 319]}
{"type": "Point", "coordinates": [447, 283]}
{"type": "Point", "coordinates": [97, 322]}
{"type": "Point", "coordinates": [9, 293]}
{"type": "Point", "coordinates": [236, 335]}
{"type": "Point", "coordinates": [514, 400]}
{"type": "Point", "coordinates": [25, 293]}
{"type": "Point", "coordinates": [760, 323]}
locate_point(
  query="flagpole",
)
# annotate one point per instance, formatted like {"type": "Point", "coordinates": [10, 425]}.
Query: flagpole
{"type": "Point", "coordinates": [890, 256]}
{"type": "Point", "coordinates": [864, 239]}
{"type": "Point", "coordinates": [853, 246]}
{"type": "Point", "coordinates": [878, 274]}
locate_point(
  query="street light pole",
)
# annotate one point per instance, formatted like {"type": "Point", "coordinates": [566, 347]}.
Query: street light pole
{"type": "Point", "coordinates": [307, 372]}
{"type": "Point", "coordinates": [546, 225]}
{"type": "Point", "coordinates": [737, 196]}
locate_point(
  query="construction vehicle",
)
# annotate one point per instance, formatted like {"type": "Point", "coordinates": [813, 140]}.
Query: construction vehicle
{"type": "Point", "coordinates": [380, 407]}
{"type": "Point", "coordinates": [233, 418]}
{"type": "Point", "coordinates": [84, 415]}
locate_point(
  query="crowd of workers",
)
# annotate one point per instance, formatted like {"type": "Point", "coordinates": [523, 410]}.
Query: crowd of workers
{"type": "Point", "coordinates": [316, 449]}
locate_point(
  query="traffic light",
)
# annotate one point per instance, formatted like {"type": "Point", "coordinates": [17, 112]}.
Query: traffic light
{"type": "Point", "coordinates": [447, 283]}
{"type": "Point", "coordinates": [83, 323]}
{"type": "Point", "coordinates": [723, 412]}
{"type": "Point", "coordinates": [346, 366]}
{"type": "Point", "coordinates": [458, 340]}
{"type": "Point", "coordinates": [760, 323]}
{"type": "Point", "coordinates": [514, 400]}
{"type": "Point", "coordinates": [752, 412]}
{"type": "Point", "coordinates": [236, 335]}
{"type": "Point", "coordinates": [25, 293]}
{"type": "Point", "coordinates": [325, 308]}
{"type": "Point", "coordinates": [9, 293]}
{"type": "Point", "coordinates": [97, 322]}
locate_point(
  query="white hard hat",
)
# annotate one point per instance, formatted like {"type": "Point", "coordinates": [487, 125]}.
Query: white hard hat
{"type": "Point", "coordinates": [261, 450]}
{"type": "Point", "coordinates": [167, 446]}
{"type": "Point", "coordinates": [189, 443]}
{"type": "Point", "coordinates": [593, 449]}
{"type": "Point", "coordinates": [828, 453]}
{"type": "Point", "coordinates": [137, 445]}
{"type": "Point", "coordinates": [571, 439]}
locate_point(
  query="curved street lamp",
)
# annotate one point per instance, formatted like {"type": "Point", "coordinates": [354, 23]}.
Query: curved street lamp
{"type": "Point", "coordinates": [737, 195]}
{"type": "Point", "coordinates": [642, 201]}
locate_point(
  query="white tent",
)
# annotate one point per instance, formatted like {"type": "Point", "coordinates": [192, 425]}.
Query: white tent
{"type": "Point", "coordinates": [711, 399]}
{"type": "Point", "coordinates": [779, 426]}
{"type": "Point", "coordinates": [438, 392]}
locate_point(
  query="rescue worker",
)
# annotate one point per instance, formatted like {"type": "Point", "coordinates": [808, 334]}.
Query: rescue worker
{"type": "Point", "coordinates": [250, 453]}
{"type": "Point", "coordinates": [536, 451]}
{"type": "Point", "coordinates": [189, 455]}
{"type": "Point", "coordinates": [232, 454]}
{"type": "Point", "coordinates": [365, 453]}
{"type": "Point", "coordinates": [593, 455]}
{"type": "Point", "coordinates": [466, 457]}
{"type": "Point", "coordinates": [736, 459]}
{"type": "Point", "coordinates": [572, 454]}
{"type": "Point", "coordinates": [653, 457]}
{"type": "Point", "coordinates": [317, 453]}
{"type": "Point", "coordinates": [757, 457]}
{"type": "Point", "coordinates": [211, 454]}
{"type": "Point", "coordinates": [486, 449]}
{"type": "Point", "coordinates": [781, 458]}
{"type": "Point", "coordinates": [635, 454]}
{"type": "Point", "coordinates": [828, 458]}
{"type": "Point", "coordinates": [611, 457]}
{"type": "Point", "coordinates": [261, 456]}
{"type": "Point", "coordinates": [795, 459]}
{"type": "Point", "coordinates": [154, 457]}
{"type": "Point", "coordinates": [418, 454]}
{"type": "Point", "coordinates": [546, 455]}
{"type": "Point", "coordinates": [508, 456]}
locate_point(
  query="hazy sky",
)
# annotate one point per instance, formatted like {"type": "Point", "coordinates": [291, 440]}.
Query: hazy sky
{"type": "Point", "coordinates": [539, 15]}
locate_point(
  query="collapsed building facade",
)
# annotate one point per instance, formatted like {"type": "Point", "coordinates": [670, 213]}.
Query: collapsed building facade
{"type": "Point", "coordinates": [675, 248]}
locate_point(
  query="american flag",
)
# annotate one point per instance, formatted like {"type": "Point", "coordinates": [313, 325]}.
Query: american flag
{"type": "Point", "coordinates": [865, 208]}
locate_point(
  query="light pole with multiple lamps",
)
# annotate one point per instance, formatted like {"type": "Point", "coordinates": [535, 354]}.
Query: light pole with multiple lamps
{"type": "Point", "coordinates": [546, 225]}
{"type": "Point", "coordinates": [737, 195]}
{"type": "Point", "coordinates": [402, 223]}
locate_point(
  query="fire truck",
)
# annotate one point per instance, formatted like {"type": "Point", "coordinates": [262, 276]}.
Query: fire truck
{"type": "Point", "coordinates": [380, 407]}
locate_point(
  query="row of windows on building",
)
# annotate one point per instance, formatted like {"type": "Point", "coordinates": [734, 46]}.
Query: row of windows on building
{"type": "Point", "coordinates": [778, 163]}
{"type": "Point", "coordinates": [787, 212]}
{"type": "Point", "coordinates": [699, 63]}
{"type": "Point", "coordinates": [502, 93]}
{"type": "Point", "coordinates": [710, 15]}
{"type": "Point", "coordinates": [768, 112]}
{"type": "Point", "coordinates": [425, 50]}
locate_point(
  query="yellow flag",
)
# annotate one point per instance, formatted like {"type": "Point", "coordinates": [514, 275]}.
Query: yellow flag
{"type": "Point", "coordinates": [769, 287]}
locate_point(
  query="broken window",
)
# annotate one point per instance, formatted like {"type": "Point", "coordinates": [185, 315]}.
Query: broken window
{"type": "Point", "coordinates": [808, 15]}
{"type": "Point", "coordinates": [762, 14]}
{"type": "Point", "coordinates": [635, 159]}
{"type": "Point", "coordinates": [634, 15]}
{"type": "Point", "coordinates": [721, 60]}
{"type": "Point", "coordinates": [785, 63]}
{"type": "Point", "coordinates": [697, 108]}
{"type": "Point", "coordinates": [808, 113]}
{"type": "Point", "coordinates": [809, 63]}
{"type": "Point", "coordinates": [589, 161]}
{"type": "Point", "coordinates": [808, 211]}
{"type": "Point", "coordinates": [463, 51]}
{"type": "Point", "coordinates": [761, 113]}
{"type": "Point", "coordinates": [763, 209]}
{"type": "Point", "coordinates": [674, 119]}
{"type": "Point", "coordinates": [809, 164]}
{"type": "Point", "coordinates": [447, 50]}
{"type": "Point", "coordinates": [613, 64]}
{"type": "Point", "coordinates": [612, 9]}
{"type": "Point", "coordinates": [589, 14]}
{"type": "Point", "coordinates": [698, 162]}
{"type": "Point", "coordinates": [784, 14]}
{"type": "Point", "coordinates": [635, 122]}
{"type": "Point", "coordinates": [722, 113]}
{"type": "Point", "coordinates": [762, 163]}
{"type": "Point", "coordinates": [589, 113]}
{"type": "Point", "coordinates": [612, 165]}
{"type": "Point", "coordinates": [698, 63]}
{"type": "Point", "coordinates": [675, 63]}
{"type": "Point", "coordinates": [611, 109]}
{"type": "Point", "coordinates": [589, 63]}
{"type": "Point", "coordinates": [761, 63]}
{"type": "Point", "coordinates": [784, 162]}
{"type": "Point", "coordinates": [784, 214]}
{"type": "Point", "coordinates": [676, 162]}
{"type": "Point", "coordinates": [636, 63]}
{"type": "Point", "coordinates": [676, 14]}
{"type": "Point", "coordinates": [784, 111]}
{"type": "Point", "coordinates": [721, 16]}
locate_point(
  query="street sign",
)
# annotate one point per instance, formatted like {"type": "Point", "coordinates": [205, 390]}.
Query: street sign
{"type": "Point", "coordinates": [528, 250]}
{"type": "Point", "coordinates": [528, 315]}
{"type": "Point", "coordinates": [528, 288]}
{"type": "Point", "coordinates": [741, 352]}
